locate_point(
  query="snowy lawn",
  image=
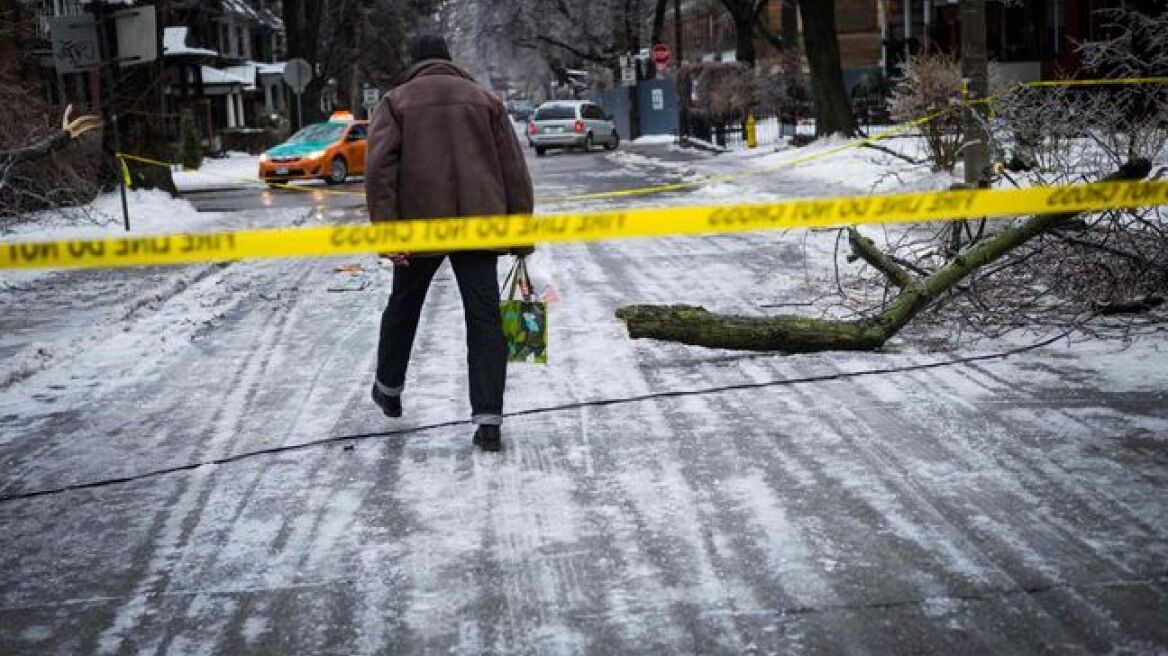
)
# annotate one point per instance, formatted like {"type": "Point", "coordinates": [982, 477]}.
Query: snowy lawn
{"type": "Point", "coordinates": [151, 212]}
{"type": "Point", "coordinates": [234, 170]}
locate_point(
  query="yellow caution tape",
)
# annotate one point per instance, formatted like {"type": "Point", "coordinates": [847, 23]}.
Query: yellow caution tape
{"type": "Point", "coordinates": [1097, 82]}
{"type": "Point", "coordinates": [145, 160]}
{"type": "Point", "coordinates": [858, 143]}
{"type": "Point", "coordinates": [692, 184]}
{"type": "Point", "coordinates": [127, 179]}
{"type": "Point", "coordinates": [680, 186]}
{"type": "Point", "coordinates": [253, 181]}
{"type": "Point", "coordinates": [438, 235]}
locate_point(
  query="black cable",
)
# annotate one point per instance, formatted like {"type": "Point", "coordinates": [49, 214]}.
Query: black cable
{"type": "Point", "coordinates": [523, 413]}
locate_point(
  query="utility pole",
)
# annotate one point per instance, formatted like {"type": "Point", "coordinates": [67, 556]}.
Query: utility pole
{"type": "Point", "coordinates": [974, 90]}
{"type": "Point", "coordinates": [682, 78]}
{"type": "Point", "coordinates": [108, 46]}
{"type": "Point", "coordinates": [975, 83]}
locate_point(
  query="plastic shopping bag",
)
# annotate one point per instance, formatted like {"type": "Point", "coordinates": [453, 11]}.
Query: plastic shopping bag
{"type": "Point", "coordinates": [540, 268]}
{"type": "Point", "coordinates": [524, 318]}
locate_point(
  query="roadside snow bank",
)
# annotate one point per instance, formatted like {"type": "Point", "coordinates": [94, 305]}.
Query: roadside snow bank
{"type": "Point", "coordinates": [151, 212]}
{"type": "Point", "coordinates": [654, 140]}
{"type": "Point", "coordinates": [836, 166]}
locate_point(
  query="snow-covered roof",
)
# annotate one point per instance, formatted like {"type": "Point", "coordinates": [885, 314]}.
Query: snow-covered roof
{"type": "Point", "coordinates": [245, 73]}
{"type": "Point", "coordinates": [216, 77]}
{"type": "Point", "coordinates": [243, 8]}
{"type": "Point", "coordinates": [174, 44]}
{"type": "Point", "coordinates": [271, 68]}
{"type": "Point", "coordinates": [270, 19]}
{"type": "Point", "coordinates": [240, 8]}
{"type": "Point", "coordinates": [249, 72]}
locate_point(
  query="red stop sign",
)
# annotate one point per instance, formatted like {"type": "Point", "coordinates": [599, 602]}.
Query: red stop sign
{"type": "Point", "coordinates": [660, 54]}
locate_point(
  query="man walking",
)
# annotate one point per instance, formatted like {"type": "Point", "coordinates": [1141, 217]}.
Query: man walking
{"type": "Point", "coordinates": [441, 146]}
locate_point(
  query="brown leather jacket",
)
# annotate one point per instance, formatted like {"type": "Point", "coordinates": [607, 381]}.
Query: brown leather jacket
{"type": "Point", "coordinates": [439, 146]}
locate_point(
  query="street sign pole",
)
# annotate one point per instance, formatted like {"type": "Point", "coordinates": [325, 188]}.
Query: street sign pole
{"type": "Point", "coordinates": [370, 96]}
{"type": "Point", "coordinates": [107, 41]}
{"type": "Point", "coordinates": [297, 75]}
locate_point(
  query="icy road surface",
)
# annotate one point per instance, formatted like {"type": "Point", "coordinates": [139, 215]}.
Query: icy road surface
{"type": "Point", "coordinates": [1011, 506]}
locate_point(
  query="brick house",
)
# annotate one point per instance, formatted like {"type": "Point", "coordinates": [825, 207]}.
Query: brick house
{"type": "Point", "coordinates": [1029, 40]}
{"type": "Point", "coordinates": [708, 36]}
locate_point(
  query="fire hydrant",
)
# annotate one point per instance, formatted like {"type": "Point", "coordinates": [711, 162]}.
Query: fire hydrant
{"type": "Point", "coordinates": [751, 131]}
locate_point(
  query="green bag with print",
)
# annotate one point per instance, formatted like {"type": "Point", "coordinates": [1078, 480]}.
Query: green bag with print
{"type": "Point", "coordinates": [524, 318]}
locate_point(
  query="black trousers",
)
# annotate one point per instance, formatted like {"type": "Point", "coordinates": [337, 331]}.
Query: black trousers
{"type": "Point", "coordinates": [476, 272]}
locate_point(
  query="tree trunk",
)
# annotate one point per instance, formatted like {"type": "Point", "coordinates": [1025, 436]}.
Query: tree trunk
{"type": "Point", "coordinates": [975, 69]}
{"type": "Point", "coordinates": [833, 110]}
{"type": "Point", "coordinates": [790, 24]}
{"type": "Point", "coordinates": [684, 90]}
{"type": "Point", "coordinates": [744, 38]}
{"type": "Point", "coordinates": [794, 334]}
{"type": "Point", "coordinates": [975, 74]}
{"type": "Point", "coordinates": [38, 150]}
{"type": "Point", "coordinates": [302, 21]}
{"type": "Point", "coordinates": [744, 13]}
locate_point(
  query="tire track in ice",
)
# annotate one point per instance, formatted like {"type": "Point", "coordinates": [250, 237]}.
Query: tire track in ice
{"type": "Point", "coordinates": [177, 522]}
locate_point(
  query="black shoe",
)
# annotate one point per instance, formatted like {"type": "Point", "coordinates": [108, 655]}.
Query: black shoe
{"type": "Point", "coordinates": [488, 437]}
{"type": "Point", "coordinates": [390, 405]}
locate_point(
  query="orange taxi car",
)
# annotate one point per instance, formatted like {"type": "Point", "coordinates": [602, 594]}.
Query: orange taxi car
{"type": "Point", "coordinates": [330, 151]}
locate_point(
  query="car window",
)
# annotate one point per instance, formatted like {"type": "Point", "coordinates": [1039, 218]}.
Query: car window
{"type": "Point", "coordinates": [555, 113]}
{"type": "Point", "coordinates": [318, 132]}
{"type": "Point", "coordinates": [357, 132]}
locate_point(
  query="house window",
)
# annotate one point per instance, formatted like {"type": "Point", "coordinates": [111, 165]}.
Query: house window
{"type": "Point", "coordinates": [66, 7]}
{"type": "Point", "coordinates": [241, 42]}
{"type": "Point", "coordinates": [1017, 33]}
{"type": "Point", "coordinates": [224, 38]}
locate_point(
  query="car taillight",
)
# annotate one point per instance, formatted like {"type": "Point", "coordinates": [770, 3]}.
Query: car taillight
{"type": "Point", "coordinates": [531, 128]}
{"type": "Point", "coordinates": [579, 126]}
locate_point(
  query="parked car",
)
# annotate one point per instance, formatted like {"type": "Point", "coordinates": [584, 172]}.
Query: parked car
{"type": "Point", "coordinates": [520, 110]}
{"type": "Point", "coordinates": [571, 124]}
{"type": "Point", "coordinates": [330, 151]}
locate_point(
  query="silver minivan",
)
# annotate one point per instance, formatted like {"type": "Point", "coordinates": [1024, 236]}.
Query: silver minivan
{"type": "Point", "coordinates": [571, 124]}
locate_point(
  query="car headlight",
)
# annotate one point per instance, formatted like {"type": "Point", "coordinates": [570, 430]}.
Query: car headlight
{"type": "Point", "coordinates": [317, 154]}
{"type": "Point", "coordinates": [265, 158]}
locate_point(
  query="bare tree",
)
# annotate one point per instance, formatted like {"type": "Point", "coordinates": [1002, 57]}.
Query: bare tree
{"type": "Point", "coordinates": [746, 14]}
{"type": "Point", "coordinates": [833, 109]}
{"type": "Point", "coordinates": [302, 24]}
{"type": "Point", "coordinates": [44, 166]}
{"type": "Point", "coordinates": [565, 34]}
{"type": "Point", "coordinates": [1099, 272]}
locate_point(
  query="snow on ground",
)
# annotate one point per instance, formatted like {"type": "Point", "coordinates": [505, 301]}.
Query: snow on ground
{"type": "Point", "coordinates": [64, 328]}
{"type": "Point", "coordinates": [234, 170]}
{"type": "Point", "coordinates": [835, 165]}
{"type": "Point", "coordinates": [1003, 506]}
{"type": "Point", "coordinates": [655, 140]}
{"type": "Point", "coordinates": [151, 212]}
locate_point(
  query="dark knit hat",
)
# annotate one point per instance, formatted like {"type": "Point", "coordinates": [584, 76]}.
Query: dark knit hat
{"type": "Point", "coordinates": [429, 46]}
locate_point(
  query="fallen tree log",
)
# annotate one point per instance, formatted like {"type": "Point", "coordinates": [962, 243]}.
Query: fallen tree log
{"type": "Point", "coordinates": [796, 334]}
{"type": "Point", "coordinates": [70, 129]}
